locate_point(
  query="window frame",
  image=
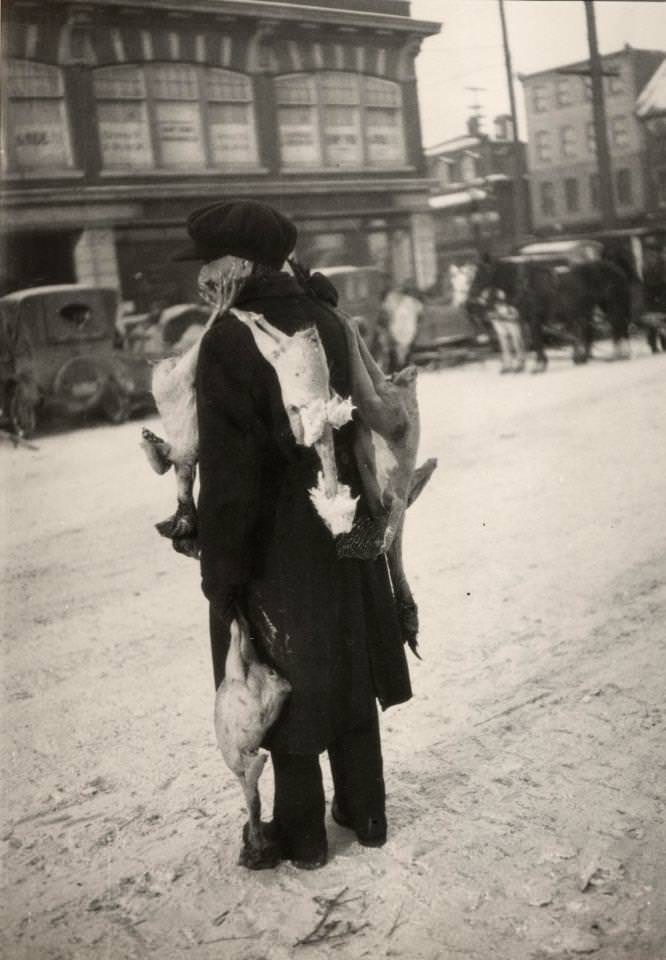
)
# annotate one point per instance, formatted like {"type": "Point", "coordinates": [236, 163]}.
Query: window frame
{"type": "Point", "coordinates": [539, 98]}
{"type": "Point", "coordinates": [544, 146]}
{"type": "Point", "coordinates": [201, 102]}
{"type": "Point", "coordinates": [624, 187]}
{"type": "Point", "coordinates": [568, 145]}
{"type": "Point", "coordinates": [547, 209]}
{"type": "Point", "coordinates": [594, 187]}
{"type": "Point", "coordinates": [572, 196]}
{"type": "Point", "coordinates": [563, 92]}
{"type": "Point", "coordinates": [623, 141]}
{"type": "Point", "coordinates": [362, 104]}
{"type": "Point", "coordinates": [11, 165]}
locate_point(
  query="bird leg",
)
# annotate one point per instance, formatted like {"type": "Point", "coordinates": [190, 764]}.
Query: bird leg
{"type": "Point", "coordinates": [257, 851]}
{"type": "Point", "coordinates": [182, 525]}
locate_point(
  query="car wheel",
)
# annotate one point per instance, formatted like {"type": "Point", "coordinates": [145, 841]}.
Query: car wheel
{"type": "Point", "coordinates": [22, 412]}
{"type": "Point", "coordinates": [115, 405]}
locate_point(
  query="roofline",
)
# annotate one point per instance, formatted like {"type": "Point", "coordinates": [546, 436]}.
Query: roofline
{"type": "Point", "coordinates": [580, 63]}
{"type": "Point", "coordinates": [267, 9]}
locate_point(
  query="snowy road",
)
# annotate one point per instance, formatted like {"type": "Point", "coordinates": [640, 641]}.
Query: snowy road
{"type": "Point", "coordinates": [526, 779]}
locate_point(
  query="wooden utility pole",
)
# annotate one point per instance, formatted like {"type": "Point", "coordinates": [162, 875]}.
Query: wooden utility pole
{"type": "Point", "coordinates": [606, 199]}
{"type": "Point", "coordinates": [519, 218]}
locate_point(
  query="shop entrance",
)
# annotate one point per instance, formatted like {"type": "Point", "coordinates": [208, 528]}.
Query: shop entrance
{"type": "Point", "coordinates": [35, 259]}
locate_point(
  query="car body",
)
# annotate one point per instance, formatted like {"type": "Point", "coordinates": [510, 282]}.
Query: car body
{"type": "Point", "coordinates": [57, 350]}
{"type": "Point", "coordinates": [360, 290]}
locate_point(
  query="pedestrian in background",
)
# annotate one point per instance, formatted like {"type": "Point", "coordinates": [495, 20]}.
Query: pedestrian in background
{"type": "Point", "coordinates": [403, 308]}
{"type": "Point", "coordinates": [505, 320]}
{"type": "Point", "coordinates": [535, 302]}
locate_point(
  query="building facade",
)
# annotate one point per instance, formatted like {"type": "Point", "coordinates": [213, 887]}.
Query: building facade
{"type": "Point", "coordinates": [121, 116]}
{"type": "Point", "coordinates": [564, 183]}
{"type": "Point", "coordinates": [473, 199]}
{"type": "Point", "coordinates": [651, 111]}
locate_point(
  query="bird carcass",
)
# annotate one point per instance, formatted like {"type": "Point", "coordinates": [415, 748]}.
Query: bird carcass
{"type": "Point", "coordinates": [247, 704]}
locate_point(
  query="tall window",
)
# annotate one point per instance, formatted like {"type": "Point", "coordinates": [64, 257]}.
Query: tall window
{"type": "Point", "coordinates": [571, 196]}
{"type": "Point", "coordinates": [544, 147]}
{"type": "Point", "coordinates": [174, 116]}
{"type": "Point", "coordinates": [547, 198]}
{"type": "Point", "coordinates": [591, 139]}
{"type": "Point", "coordinates": [539, 102]}
{"type": "Point", "coordinates": [623, 185]}
{"type": "Point", "coordinates": [615, 84]}
{"type": "Point", "coordinates": [595, 191]}
{"type": "Point", "coordinates": [122, 117]}
{"type": "Point", "coordinates": [619, 132]}
{"type": "Point", "coordinates": [383, 117]}
{"type": "Point", "coordinates": [37, 129]}
{"type": "Point", "coordinates": [567, 142]}
{"type": "Point", "coordinates": [340, 120]}
{"type": "Point", "coordinates": [563, 93]}
{"type": "Point", "coordinates": [230, 118]}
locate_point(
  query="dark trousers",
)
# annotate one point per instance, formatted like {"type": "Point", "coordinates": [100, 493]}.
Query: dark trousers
{"type": "Point", "coordinates": [299, 805]}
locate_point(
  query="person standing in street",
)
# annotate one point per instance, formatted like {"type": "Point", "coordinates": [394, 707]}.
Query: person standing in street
{"type": "Point", "coordinates": [505, 320]}
{"type": "Point", "coordinates": [328, 625]}
{"type": "Point", "coordinates": [403, 308]}
{"type": "Point", "coordinates": [535, 302]}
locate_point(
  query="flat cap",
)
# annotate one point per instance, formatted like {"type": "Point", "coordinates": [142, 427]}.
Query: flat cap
{"type": "Point", "coordinates": [242, 228]}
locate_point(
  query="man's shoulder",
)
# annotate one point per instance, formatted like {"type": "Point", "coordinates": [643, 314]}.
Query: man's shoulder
{"type": "Point", "coordinates": [228, 343]}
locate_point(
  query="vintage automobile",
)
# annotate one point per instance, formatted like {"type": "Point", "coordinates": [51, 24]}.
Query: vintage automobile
{"type": "Point", "coordinates": [57, 353]}
{"type": "Point", "coordinates": [360, 290]}
{"type": "Point", "coordinates": [168, 333]}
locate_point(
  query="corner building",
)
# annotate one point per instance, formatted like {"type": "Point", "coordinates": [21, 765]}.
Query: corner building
{"type": "Point", "coordinates": [562, 161]}
{"type": "Point", "coordinates": [122, 116]}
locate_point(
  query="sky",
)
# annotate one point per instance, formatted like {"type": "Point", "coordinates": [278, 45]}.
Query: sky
{"type": "Point", "coordinates": [542, 34]}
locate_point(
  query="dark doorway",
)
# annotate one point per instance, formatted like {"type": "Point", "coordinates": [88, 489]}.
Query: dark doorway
{"type": "Point", "coordinates": [34, 259]}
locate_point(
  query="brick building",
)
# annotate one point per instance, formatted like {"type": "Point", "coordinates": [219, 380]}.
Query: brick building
{"type": "Point", "coordinates": [564, 183]}
{"type": "Point", "coordinates": [651, 111]}
{"type": "Point", "coordinates": [121, 116]}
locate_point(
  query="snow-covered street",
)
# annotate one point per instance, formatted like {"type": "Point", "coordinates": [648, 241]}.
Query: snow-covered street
{"type": "Point", "coordinates": [526, 779]}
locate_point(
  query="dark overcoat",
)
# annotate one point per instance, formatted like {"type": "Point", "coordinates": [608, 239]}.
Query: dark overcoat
{"type": "Point", "coordinates": [328, 625]}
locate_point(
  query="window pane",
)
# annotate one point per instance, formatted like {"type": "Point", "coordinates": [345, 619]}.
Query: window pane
{"type": "Point", "coordinates": [299, 89]}
{"type": "Point", "coordinates": [232, 134]}
{"type": "Point", "coordinates": [381, 93]}
{"type": "Point", "coordinates": [299, 135]}
{"type": "Point", "coordinates": [384, 136]}
{"type": "Point", "coordinates": [227, 86]}
{"type": "Point", "coordinates": [39, 133]}
{"type": "Point", "coordinates": [123, 130]}
{"type": "Point", "coordinates": [342, 136]}
{"type": "Point", "coordinates": [175, 82]}
{"type": "Point", "coordinates": [30, 79]}
{"type": "Point", "coordinates": [339, 88]}
{"type": "Point", "coordinates": [119, 83]}
{"type": "Point", "coordinates": [179, 133]}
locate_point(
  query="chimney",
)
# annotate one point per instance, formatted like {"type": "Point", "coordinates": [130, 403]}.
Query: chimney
{"type": "Point", "coordinates": [474, 125]}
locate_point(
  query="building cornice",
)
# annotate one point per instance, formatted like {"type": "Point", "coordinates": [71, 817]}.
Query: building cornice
{"type": "Point", "coordinates": [272, 9]}
{"type": "Point", "coordinates": [59, 195]}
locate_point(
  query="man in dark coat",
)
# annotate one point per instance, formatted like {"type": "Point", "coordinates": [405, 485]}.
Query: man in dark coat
{"type": "Point", "coordinates": [328, 625]}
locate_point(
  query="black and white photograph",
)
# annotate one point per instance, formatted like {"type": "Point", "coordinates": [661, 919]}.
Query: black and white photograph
{"type": "Point", "coordinates": [333, 453]}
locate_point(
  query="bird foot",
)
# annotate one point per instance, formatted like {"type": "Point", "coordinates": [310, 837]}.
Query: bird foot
{"type": "Point", "coordinates": [261, 855]}
{"type": "Point", "coordinates": [183, 523]}
{"type": "Point", "coordinates": [157, 450]}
